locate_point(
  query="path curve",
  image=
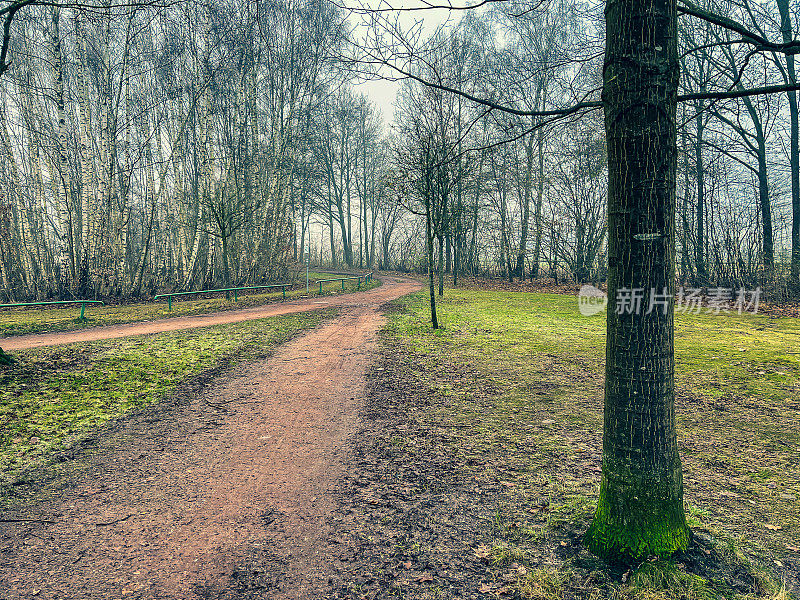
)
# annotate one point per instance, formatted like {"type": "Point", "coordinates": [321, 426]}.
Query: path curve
{"type": "Point", "coordinates": [227, 494]}
{"type": "Point", "coordinates": [392, 287]}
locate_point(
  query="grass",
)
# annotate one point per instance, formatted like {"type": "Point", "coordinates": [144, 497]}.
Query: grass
{"type": "Point", "coordinates": [55, 395]}
{"type": "Point", "coordinates": [516, 379]}
{"type": "Point", "coordinates": [21, 321]}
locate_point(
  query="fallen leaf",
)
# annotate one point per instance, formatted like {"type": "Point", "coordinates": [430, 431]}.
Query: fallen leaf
{"type": "Point", "coordinates": [482, 552]}
{"type": "Point", "coordinates": [503, 591]}
{"type": "Point", "coordinates": [625, 576]}
{"type": "Point", "coordinates": [507, 484]}
{"type": "Point", "coordinates": [773, 527]}
{"type": "Point", "coordinates": [485, 588]}
{"type": "Point", "coordinates": [425, 577]}
{"type": "Point", "coordinates": [792, 548]}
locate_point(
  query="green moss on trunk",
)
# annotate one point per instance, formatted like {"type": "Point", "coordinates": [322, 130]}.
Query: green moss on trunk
{"type": "Point", "coordinates": [638, 515]}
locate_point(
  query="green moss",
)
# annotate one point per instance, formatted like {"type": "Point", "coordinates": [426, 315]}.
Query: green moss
{"type": "Point", "coordinates": [638, 515]}
{"type": "Point", "coordinates": [664, 580]}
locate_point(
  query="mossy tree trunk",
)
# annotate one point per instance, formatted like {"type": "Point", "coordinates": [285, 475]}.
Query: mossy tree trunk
{"type": "Point", "coordinates": [640, 509]}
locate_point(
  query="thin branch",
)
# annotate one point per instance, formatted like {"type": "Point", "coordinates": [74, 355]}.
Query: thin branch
{"type": "Point", "coordinates": [749, 36]}
{"type": "Point", "coordinates": [768, 89]}
{"type": "Point", "coordinates": [426, 6]}
{"type": "Point", "coordinates": [15, 6]}
{"type": "Point", "coordinates": [493, 105]}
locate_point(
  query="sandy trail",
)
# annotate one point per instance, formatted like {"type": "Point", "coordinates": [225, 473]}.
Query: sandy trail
{"type": "Point", "coordinates": [384, 293]}
{"type": "Point", "coordinates": [226, 494]}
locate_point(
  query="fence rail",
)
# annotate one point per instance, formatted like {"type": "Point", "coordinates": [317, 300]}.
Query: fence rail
{"type": "Point", "coordinates": [83, 304]}
{"type": "Point", "coordinates": [227, 291]}
{"type": "Point", "coordinates": [366, 278]}
{"type": "Point", "coordinates": [169, 297]}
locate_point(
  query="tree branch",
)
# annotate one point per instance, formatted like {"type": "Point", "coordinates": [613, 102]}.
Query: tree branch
{"type": "Point", "coordinates": [11, 9]}
{"type": "Point", "coordinates": [425, 6]}
{"type": "Point", "coordinates": [768, 89]}
{"type": "Point", "coordinates": [493, 105]}
{"type": "Point", "coordinates": [762, 43]}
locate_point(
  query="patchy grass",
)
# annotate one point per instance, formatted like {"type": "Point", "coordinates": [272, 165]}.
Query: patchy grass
{"type": "Point", "coordinates": [55, 395]}
{"type": "Point", "coordinates": [20, 321]}
{"type": "Point", "coordinates": [505, 405]}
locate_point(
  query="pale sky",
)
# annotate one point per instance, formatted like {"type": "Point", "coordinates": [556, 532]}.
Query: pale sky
{"type": "Point", "coordinates": [382, 92]}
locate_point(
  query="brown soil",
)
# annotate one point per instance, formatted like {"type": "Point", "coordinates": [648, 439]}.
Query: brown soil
{"type": "Point", "coordinates": [381, 294]}
{"type": "Point", "coordinates": [227, 492]}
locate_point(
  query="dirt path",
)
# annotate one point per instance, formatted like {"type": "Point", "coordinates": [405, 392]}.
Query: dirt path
{"type": "Point", "coordinates": [388, 291]}
{"type": "Point", "coordinates": [225, 494]}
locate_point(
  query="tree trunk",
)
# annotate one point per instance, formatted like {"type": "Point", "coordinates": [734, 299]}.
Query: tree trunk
{"type": "Point", "coordinates": [768, 246]}
{"type": "Point", "coordinates": [5, 209]}
{"type": "Point", "coordinates": [64, 230]}
{"type": "Point", "coordinates": [685, 263]}
{"type": "Point", "coordinates": [431, 267]}
{"type": "Point", "coordinates": [640, 509]}
{"type": "Point", "coordinates": [519, 269]}
{"type": "Point", "coordinates": [440, 264]}
{"type": "Point", "coordinates": [794, 145]}
{"type": "Point", "coordinates": [699, 249]}
{"type": "Point", "coordinates": [87, 180]}
{"type": "Point", "coordinates": [537, 247]}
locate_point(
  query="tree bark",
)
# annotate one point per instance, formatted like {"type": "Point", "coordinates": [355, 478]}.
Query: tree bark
{"type": "Point", "coordinates": [431, 267]}
{"type": "Point", "coordinates": [794, 144]}
{"type": "Point", "coordinates": [537, 248]}
{"type": "Point", "coordinates": [640, 509]}
{"type": "Point", "coordinates": [64, 229]}
{"type": "Point", "coordinates": [440, 264]}
{"type": "Point", "coordinates": [699, 249]}
{"type": "Point", "coordinates": [527, 187]}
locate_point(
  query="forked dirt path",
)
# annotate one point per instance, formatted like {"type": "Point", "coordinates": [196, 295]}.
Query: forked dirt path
{"type": "Point", "coordinates": [225, 494]}
{"type": "Point", "coordinates": [385, 292]}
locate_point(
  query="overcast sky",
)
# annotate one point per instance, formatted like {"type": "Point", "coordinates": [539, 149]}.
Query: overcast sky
{"type": "Point", "coordinates": [383, 92]}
